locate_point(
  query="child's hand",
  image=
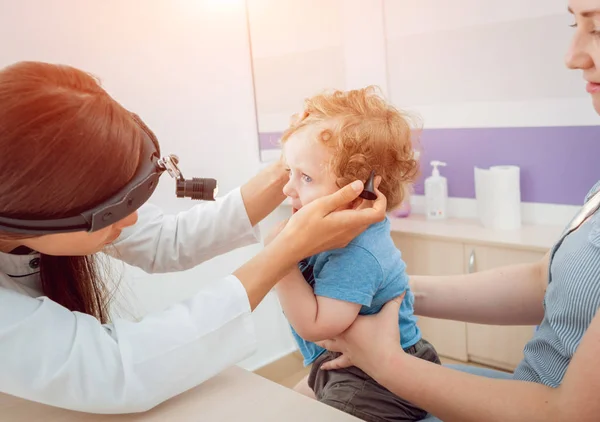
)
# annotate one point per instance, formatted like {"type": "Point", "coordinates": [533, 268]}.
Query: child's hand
{"type": "Point", "coordinates": [275, 231]}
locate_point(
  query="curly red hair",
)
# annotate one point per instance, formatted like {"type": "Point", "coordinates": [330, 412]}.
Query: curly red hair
{"type": "Point", "coordinates": [365, 133]}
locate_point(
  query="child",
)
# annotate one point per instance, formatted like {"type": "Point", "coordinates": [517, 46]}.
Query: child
{"type": "Point", "coordinates": [341, 137]}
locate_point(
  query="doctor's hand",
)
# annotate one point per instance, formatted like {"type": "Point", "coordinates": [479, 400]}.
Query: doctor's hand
{"type": "Point", "coordinates": [370, 343]}
{"type": "Point", "coordinates": [275, 231]}
{"type": "Point", "coordinates": [357, 203]}
{"type": "Point", "coordinates": [332, 221]}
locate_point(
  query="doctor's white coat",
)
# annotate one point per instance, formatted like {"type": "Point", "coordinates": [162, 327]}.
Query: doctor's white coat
{"type": "Point", "coordinates": [68, 359]}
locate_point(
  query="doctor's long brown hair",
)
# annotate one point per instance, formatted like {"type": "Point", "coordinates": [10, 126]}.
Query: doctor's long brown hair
{"type": "Point", "coordinates": [65, 146]}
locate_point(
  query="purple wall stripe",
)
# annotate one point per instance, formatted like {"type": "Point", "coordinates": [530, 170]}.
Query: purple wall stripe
{"type": "Point", "coordinates": [558, 164]}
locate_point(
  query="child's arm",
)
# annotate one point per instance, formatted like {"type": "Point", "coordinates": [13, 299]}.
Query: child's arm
{"type": "Point", "coordinates": [314, 318]}
{"type": "Point", "coordinates": [345, 279]}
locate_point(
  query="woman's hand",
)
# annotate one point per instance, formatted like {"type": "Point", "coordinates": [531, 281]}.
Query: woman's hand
{"type": "Point", "coordinates": [324, 224]}
{"type": "Point", "coordinates": [370, 343]}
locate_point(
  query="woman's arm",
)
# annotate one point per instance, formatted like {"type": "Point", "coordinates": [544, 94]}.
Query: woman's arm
{"type": "Point", "coordinates": [371, 343]}
{"type": "Point", "coordinates": [313, 317]}
{"type": "Point", "coordinates": [511, 295]}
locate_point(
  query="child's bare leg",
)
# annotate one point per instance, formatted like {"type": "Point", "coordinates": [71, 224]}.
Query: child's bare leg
{"type": "Point", "coordinates": [303, 388]}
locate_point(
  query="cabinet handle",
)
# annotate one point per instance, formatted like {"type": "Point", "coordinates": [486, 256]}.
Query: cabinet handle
{"type": "Point", "coordinates": [472, 262]}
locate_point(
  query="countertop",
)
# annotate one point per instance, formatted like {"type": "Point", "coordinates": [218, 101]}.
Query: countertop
{"type": "Point", "coordinates": [233, 395]}
{"type": "Point", "coordinates": [536, 237]}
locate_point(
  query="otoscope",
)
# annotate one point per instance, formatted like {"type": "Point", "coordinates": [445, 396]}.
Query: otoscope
{"type": "Point", "coordinates": [368, 192]}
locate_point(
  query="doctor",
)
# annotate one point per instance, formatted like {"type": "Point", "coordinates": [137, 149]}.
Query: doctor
{"type": "Point", "coordinates": [76, 170]}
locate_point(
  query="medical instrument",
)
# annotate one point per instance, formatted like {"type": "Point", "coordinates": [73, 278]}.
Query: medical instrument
{"type": "Point", "coordinates": [132, 196]}
{"type": "Point", "coordinates": [369, 189]}
{"type": "Point", "coordinates": [195, 188]}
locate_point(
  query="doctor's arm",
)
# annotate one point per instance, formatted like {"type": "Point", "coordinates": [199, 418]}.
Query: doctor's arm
{"type": "Point", "coordinates": [160, 243]}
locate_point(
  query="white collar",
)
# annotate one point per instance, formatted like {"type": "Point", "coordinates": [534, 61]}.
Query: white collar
{"type": "Point", "coordinates": [16, 266]}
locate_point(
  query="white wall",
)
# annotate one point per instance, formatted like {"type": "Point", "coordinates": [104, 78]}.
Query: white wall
{"type": "Point", "coordinates": [364, 44]}
{"type": "Point", "coordinates": [296, 52]}
{"type": "Point", "coordinates": [468, 63]}
{"type": "Point", "coordinates": [302, 48]}
{"type": "Point", "coordinates": [436, 57]}
{"type": "Point", "coordinates": [184, 66]}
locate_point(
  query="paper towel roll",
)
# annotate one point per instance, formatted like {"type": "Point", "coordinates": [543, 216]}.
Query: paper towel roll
{"type": "Point", "coordinates": [498, 193]}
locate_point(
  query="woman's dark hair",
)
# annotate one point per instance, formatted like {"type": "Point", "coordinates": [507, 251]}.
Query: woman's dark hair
{"type": "Point", "coordinates": [66, 146]}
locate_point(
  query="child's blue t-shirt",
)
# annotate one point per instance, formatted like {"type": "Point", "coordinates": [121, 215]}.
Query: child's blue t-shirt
{"type": "Point", "coordinates": [369, 271]}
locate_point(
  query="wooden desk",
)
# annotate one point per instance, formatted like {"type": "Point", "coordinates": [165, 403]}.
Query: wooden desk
{"type": "Point", "coordinates": [234, 395]}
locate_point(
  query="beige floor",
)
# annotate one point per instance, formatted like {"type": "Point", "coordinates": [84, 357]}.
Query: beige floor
{"type": "Point", "coordinates": [289, 370]}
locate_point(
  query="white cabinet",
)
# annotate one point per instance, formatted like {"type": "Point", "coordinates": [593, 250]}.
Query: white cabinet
{"type": "Point", "coordinates": [447, 249]}
{"type": "Point", "coordinates": [499, 346]}
{"type": "Point", "coordinates": [434, 257]}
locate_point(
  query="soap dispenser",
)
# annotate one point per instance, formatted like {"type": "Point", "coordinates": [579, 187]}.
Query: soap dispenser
{"type": "Point", "coordinates": [436, 193]}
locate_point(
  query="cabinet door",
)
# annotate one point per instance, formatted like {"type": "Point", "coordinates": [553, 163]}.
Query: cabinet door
{"type": "Point", "coordinates": [434, 257]}
{"type": "Point", "coordinates": [499, 346]}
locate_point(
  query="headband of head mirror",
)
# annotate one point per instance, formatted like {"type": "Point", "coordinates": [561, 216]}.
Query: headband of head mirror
{"type": "Point", "coordinates": [127, 200]}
